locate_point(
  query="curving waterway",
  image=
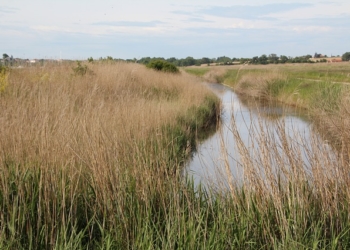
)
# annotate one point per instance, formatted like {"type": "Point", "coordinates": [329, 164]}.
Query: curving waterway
{"type": "Point", "coordinates": [218, 159]}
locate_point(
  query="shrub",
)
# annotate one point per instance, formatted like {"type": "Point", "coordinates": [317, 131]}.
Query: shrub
{"type": "Point", "coordinates": [162, 66]}
{"type": "Point", "coordinates": [346, 56]}
{"type": "Point", "coordinates": [80, 69]}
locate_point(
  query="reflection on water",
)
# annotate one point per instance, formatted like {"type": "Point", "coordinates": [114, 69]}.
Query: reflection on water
{"type": "Point", "coordinates": [253, 122]}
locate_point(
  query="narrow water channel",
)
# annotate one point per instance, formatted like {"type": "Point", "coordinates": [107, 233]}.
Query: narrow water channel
{"type": "Point", "coordinates": [218, 160]}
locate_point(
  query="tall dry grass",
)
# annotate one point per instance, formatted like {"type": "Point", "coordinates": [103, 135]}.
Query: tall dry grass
{"type": "Point", "coordinates": [286, 190]}
{"type": "Point", "coordinates": [263, 85]}
{"type": "Point", "coordinates": [49, 110]}
{"type": "Point", "coordinates": [75, 148]}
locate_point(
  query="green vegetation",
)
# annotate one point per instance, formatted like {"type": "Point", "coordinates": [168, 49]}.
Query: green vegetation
{"type": "Point", "coordinates": [80, 69]}
{"type": "Point", "coordinates": [346, 56]}
{"type": "Point", "coordinates": [163, 66]}
{"type": "Point", "coordinates": [191, 61]}
{"type": "Point", "coordinates": [197, 71]}
{"type": "Point", "coordinates": [4, 71]}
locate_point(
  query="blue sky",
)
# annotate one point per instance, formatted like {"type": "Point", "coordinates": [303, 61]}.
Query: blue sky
{"type": "Point", "coordinates": [78, 29]}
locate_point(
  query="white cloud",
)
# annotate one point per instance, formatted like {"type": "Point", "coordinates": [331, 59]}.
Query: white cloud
{"type": "Point", "coordinates": [52, 29]}
{"type": "Point", "coordinates": [313, 29]}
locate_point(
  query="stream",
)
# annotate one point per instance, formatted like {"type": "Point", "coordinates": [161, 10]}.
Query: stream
{"type": "Point", "coordinates": [218, 160]}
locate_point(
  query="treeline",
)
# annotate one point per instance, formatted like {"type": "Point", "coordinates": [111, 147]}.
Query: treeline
{"type": "Point", "coordinates": [190, 61]}
{"type": "Point", "coordinates": [224, 60]}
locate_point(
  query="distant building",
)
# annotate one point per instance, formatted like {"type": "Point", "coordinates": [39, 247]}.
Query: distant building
{"type": "Point", "coordinates": [318, 55]}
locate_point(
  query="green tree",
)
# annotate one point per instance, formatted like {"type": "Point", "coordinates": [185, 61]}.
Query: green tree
{"type": "Point", "coordinates": [189, 61]}
{"type": "Point", "coordinates": [4, 56]}
{"type": "Point", "coordinates": [283, 59]}
{"type": "Point", "coordinates": [172, 60]}
{"type": "Point", "coordinates": [224, 60]}
{"type": "Point", "coordinates": [273, 58]}
{"type": "Point", "coordinates": [255, 60]}
{"type": "Point", "coordinates": [263, 59]}
{"type": "Point", "coordinates": [205, 60]}
{"type": "Point", "coordinates": [145, 60]}
{"type": "Point", "coordinates": [346, 56]}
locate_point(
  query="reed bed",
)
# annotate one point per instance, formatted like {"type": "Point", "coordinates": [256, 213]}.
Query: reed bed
{"type": "Point", "coordinates": [94, 161]}
{"type": "Point", "coordinates": [78, 152]}
{"type": "Point", "coordinates": [291, 190]}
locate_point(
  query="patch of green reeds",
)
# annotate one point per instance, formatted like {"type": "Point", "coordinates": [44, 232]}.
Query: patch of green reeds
{"type": "Point", "coordinates": [197, 71]}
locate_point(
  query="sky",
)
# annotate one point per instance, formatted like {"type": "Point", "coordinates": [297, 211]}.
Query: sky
{"type": "Point", "coordinates": [78, 29]}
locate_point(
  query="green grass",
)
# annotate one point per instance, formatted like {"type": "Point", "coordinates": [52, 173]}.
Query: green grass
{"type": "Point", "coordinates": [197, 71]}
{"type": "Point", "coordinates": [324, 74]}
{"type": "Point", "coordinates": [179, 218]}
{"type": "Point", "coordinates": [300, 86]}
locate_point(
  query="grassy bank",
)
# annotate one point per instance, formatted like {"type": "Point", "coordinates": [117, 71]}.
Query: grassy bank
{"type": "Point", "coordinates": [294, 84]}
{"type": "Point", "coordinates": [93, 161]}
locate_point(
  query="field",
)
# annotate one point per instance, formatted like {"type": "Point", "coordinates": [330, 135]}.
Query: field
{"type": "Point", "coordinates": [91, 157]}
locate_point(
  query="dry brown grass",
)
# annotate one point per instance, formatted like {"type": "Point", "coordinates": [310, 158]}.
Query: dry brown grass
{"type": "Point", "coordinates": [333, 122]}
{"type": "Point", "coordinates": [215, 74]}
{"type": "Point", "coordinates": [89, 137]}
{"type": "Point", "coordinates": [258, 85]}
{"type": "Point", "coordinates": [46, 110]}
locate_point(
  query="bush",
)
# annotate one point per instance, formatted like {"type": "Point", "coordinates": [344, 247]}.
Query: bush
{"type": "Point", "coordinates": [346, 56]}
{"type": "Point", "coordinates": [162, 66]}
{"type": "Point", "coordinates": [81, 69]}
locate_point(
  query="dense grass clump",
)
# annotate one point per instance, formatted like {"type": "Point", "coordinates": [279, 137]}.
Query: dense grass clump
{"type": "Point", "coordinates": [4, 71]}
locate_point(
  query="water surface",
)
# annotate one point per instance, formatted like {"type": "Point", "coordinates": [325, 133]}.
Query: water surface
{"type": "Point", "coordinates": [217, 159]}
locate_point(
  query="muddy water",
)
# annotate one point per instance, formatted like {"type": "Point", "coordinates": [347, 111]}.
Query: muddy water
{"type": "Point", "coordinates": [217, 159]}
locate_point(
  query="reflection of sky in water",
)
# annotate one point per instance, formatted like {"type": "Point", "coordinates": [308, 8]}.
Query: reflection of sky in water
{"type": "Point", "coordinates": [252, 120]}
